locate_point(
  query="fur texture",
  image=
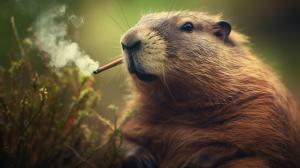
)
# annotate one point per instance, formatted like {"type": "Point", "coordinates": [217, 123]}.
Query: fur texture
{"type": "Point", "coordinates": [213, 104]}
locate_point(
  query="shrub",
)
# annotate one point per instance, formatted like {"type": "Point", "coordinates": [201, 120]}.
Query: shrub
{"type": "Point", "coordinates": [45, 117]}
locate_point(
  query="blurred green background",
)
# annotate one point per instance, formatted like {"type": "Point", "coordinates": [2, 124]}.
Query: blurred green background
{"type": "Point", "coordinates": [273, 25]}
{"type": "Point", "coordinates": [80, 132]}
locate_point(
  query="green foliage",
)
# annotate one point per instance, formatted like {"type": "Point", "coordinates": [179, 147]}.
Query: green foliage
{"type": "Point", "coordinates": [46, 118]}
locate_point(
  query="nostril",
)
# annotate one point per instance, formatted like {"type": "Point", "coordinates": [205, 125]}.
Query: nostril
{"type": "Point", "coordinates": [132, 47]}
{"type": "Point", "coordinates": [123, 46]}
{"type": "Point", "coordinates": [136, 45]}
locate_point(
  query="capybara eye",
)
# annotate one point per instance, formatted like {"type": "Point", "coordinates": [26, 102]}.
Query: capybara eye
{"type": "Point", "coordinates": [187, 27]}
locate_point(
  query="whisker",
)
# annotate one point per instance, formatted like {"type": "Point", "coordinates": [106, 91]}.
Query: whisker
{"type": "Point", "coordinates": [115, 21]}
{"type": "Point", "coordinates": [123, 13]}
{"type": "Point", "coordinates": [170, 8]}
{"type": "Point", "coordinates": [165, 82]}
{"type": "Point", "coordinates": [173, 4]}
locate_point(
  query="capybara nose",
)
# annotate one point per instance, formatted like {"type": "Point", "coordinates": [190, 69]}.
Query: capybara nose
{"type": "Point", "coordinates": [132, 46]}
{"type": "Point", "coordinates": [131, 42]}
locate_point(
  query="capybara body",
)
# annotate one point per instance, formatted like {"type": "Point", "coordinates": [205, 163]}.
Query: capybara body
{"type": "Point", "coordinates": [203, 99]}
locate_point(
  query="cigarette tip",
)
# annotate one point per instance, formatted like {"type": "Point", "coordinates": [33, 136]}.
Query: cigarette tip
{"type": "Point", "coordinates": [108, 66]}
{"type": "Point", "coordinates": [96, 71]}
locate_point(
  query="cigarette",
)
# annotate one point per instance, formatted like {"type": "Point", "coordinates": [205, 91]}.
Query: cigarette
{"type": "Point", "coordinates": [110, 65]}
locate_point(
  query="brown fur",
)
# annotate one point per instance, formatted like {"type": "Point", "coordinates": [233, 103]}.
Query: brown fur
{"type": "Point", "coordinates": [215, 105]}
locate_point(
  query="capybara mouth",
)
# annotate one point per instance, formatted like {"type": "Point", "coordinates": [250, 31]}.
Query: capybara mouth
{"type": "Point", "coordinates": [135, 68]}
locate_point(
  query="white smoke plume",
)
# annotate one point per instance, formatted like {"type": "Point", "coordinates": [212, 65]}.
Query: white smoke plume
{"type": "Point", "coordinates": [51, 37]}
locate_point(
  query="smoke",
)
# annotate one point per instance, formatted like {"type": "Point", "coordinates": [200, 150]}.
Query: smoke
{"type": "Point", "coordinates": [51, 37]}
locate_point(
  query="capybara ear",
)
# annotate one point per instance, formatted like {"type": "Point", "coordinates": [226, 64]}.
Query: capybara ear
{"type": "Point", "coordinates": [222, 30]}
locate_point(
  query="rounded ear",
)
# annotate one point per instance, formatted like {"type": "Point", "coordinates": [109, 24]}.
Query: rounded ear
{"type": "Point", "coordinates": [222, 30]}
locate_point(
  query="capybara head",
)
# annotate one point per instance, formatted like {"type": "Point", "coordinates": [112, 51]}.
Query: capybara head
{"type": "Point", "coordinates": [181, 55]}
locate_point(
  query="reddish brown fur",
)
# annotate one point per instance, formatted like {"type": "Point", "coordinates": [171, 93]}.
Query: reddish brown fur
{"type": "Point", "coordinates": [235, 111]}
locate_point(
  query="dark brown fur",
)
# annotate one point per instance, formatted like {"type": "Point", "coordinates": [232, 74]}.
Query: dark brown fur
{"type": "Point", "coordinates": [216, 105]}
